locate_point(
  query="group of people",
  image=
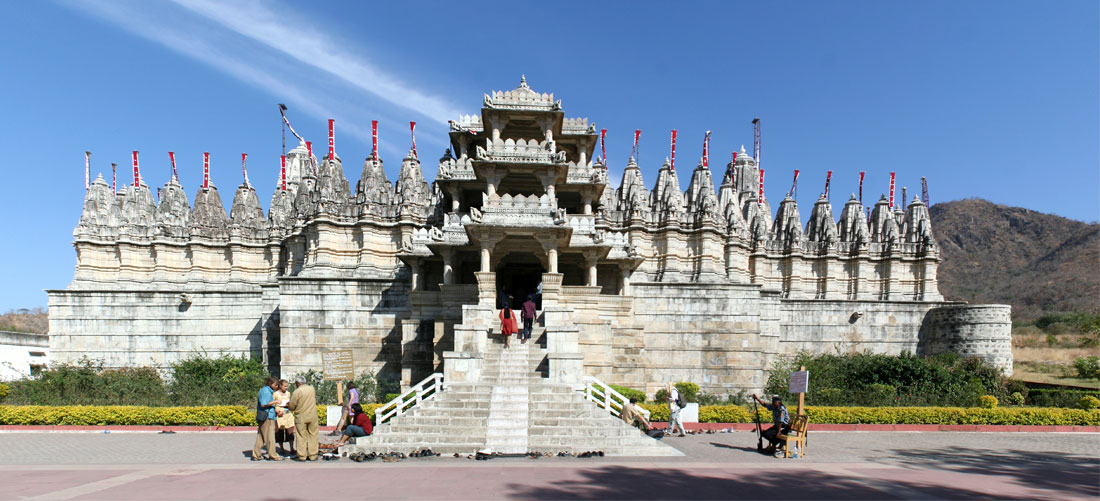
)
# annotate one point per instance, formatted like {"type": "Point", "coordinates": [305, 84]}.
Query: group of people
{"type": "Point", "coordinates": [508, 325]}
{"type": "Point", "coordinates": [281, 415]}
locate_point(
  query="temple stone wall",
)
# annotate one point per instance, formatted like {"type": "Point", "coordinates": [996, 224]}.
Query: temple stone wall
{"type": "Point", "coordinates": [363, 315]}
{"type": "Point", "coordinates": [709, 334]}
{"type": "Point", "coordinates": [819, 326]}
{"type": "Point", "coordinates": [983, 331]}
{"type": "Point", "coordinates": [128, 328]}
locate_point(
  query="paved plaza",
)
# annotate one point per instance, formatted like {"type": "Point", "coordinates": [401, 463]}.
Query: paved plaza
{"type": "Point", "coordinates": [839, 465]}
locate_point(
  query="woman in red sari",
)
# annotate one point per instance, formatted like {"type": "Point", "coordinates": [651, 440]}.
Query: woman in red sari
{"type": "Point", "coordinates": [507, 324]}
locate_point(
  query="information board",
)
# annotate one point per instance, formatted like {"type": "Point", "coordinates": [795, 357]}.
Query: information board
{"type": "Point", "coordinates": [337, 365]}
{"type": "Point", "coordinates": [800, 381]}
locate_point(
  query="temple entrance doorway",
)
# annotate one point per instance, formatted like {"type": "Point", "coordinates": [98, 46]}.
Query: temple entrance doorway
{"type": "Point", "coordinates": [518, 275]}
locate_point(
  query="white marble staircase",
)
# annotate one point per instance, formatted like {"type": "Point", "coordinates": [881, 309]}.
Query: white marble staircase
{"type": "Point", "coordinates": [513, 409]}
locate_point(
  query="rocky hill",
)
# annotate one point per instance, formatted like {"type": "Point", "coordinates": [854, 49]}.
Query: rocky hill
{"type": "Point", "coordinates": [1039, 263]}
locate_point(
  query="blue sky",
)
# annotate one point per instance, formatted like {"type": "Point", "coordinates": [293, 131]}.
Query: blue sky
{"type": "Point", "coordinates": [997, 100]}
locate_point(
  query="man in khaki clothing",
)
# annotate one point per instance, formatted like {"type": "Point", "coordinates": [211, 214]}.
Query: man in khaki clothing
{"type": "Point", "coordinates": [303, 403]}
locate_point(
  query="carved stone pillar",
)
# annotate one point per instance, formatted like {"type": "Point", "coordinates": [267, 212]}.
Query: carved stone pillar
{"type": "Point", "coordinates": [448, 266]}
{"type": "Point", "coordinates": [552, 259]}
{"type": "Point", "coordinates": [456, 197]}
{"type": "Point", "coordinates": [492, 179]}
{"type": "Point", "coordinates": [586, 198]}
{"type": "Point", "coordinates": [590, 263]}
{"type": "Point", "coordinates": [414, 279]}
{"type": "Point", "coordinates": [624, 281]}
{"type": "Point", "coordinates": [582, 153]}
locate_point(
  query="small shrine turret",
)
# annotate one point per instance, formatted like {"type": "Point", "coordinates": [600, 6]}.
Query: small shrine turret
{"type": "Point", "coordinates": [632, 195]}
{"type": "Point", "coordinates": [918, 225]}
{"type": "Point", "coordinates": [821, 227]}
{"type": "Point", "coordinates": [246, 217]}
{"type": "Point", "coordinates": [666, 199]}
{"type": "Point", "coordinates": [208, 218]}
{"type": "Point", "coordinates": [174, 211]}
{"type": "Point", "coordinates": [788, 224]}
{"type": "Point", "coordinates": [883, 225]}
{"type": "Point", "coordinates": [853, 223]}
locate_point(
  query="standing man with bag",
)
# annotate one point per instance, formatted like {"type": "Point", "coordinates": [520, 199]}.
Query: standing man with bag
{"type": "Point", "coordinates": [303, 403]}
{"type": "Point", "coordinates": [674, 408]}
{"type": "Point", "coordinates": [265, 420]}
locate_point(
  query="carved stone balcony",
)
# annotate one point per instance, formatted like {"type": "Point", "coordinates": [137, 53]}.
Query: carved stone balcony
{"type": "Point", "coordinates": [452, 169]}
{"type": "Point", "coordinates": [520, 210]}
{"type": "Point", "coordinates": [521, 151]}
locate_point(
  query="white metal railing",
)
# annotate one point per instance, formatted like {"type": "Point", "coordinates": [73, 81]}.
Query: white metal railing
{"type": "Point", "coordinates": [606, 397]}
{"type": "Point", "coordinates": [424, 390]}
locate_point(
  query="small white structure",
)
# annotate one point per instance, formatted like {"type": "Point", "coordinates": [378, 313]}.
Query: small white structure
{"type": "Point", "coordinates": [22, 354]}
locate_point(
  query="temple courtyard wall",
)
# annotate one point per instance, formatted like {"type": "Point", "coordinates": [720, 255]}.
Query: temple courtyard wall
{"type": "Point", "coordinates": [723, 337]}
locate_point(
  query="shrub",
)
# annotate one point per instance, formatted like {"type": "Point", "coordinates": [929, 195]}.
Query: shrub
{"type": "Point", "coordinates": [3, 391]}
{"type": "Point", "coordinates": [900, 415]}
{"type": "Point", "coordinates": [369, 388]}
{"type": "Point", "coordinates": [1087, 367]}
{"type": "Point", "coordinates": [88, 383]}
{"type": "Point", "coordinates": [867, 379]}
{"type": "Point", "coordinates": [690, 391]}
{"type": "Point", "coordinates": [80, 415]}
{"type": "Point", "coordinates": [629, 392]}
{"type": "Point", "coordinates": [225, 380]}
{"type": "Point", "coordinates": [1016, 398]}
{"type": "Point", "coordinates": [988, 402]}
{"type": "Point", "coordinates": [1088, 403]}
{"type": "Point", "coordinates": [1058, 397]}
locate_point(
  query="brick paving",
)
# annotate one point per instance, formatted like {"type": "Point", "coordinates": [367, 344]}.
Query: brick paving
{"type": "Point", "coordinates": [854, 465]}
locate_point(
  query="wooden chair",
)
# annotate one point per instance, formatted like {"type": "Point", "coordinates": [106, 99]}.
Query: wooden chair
{"type": "Point", "coordinates": [797, 436]}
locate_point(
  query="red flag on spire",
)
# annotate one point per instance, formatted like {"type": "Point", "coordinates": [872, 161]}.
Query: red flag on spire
{"type": "Point", "coordinates": [761, 198]}
{"type": "Point", "coordinates": [205, 170]}
{"type": "Point", "coordinates": [706, 150]}
{"type": "Point", "coordinates": [172, 159]}
{"type": "Point", "coordinates": [331, 141]}
{"type": "Point", "coordinates": [374, 138]}
{"type": "Point", "coordinates": [634, 151]}
{"type": "Point", "coordinates": [891, 190]}
{"type": "Point", "coordinates": [137, 177]}
{"type": "Point", "coordinates": [828, 177]}
{"type": "Point", "coordinates": [412, 131]}
{"type": "Point", "coordinates": [603, 150]}
{"type": "Point", "coordinates": [794, 185]}
{"type": "Point", "coordinates": [114, 176]}
{"type": "Point", "coordinates": [672, 154]}
{"type": "Point", "coordinates": [861, 186]}
{"type": "Point", "coordinates": [309, 153]}
{"type": "Point", "coordinates": [244, 170]}
{"type": "Point", "coordinates": [282, 171]}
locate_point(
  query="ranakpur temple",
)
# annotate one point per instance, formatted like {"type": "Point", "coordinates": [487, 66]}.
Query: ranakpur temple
{"type": "Point", "coordinates": [640, 284]}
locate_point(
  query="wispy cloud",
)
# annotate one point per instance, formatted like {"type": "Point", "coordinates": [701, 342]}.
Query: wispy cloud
{"type": "Point", "coordinates": [306, 45]}
{"type": "Point", "coordinates": [248, 42]}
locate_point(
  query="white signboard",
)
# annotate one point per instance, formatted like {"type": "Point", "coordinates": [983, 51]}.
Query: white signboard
{"type": "Point", "coordinates": [800, 381]}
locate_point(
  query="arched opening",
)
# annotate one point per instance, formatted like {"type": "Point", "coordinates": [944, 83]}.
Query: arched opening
{"type": "Point", "coordinates": [520, 183]}
{"type": "Point", "coordinates": [518, 275]}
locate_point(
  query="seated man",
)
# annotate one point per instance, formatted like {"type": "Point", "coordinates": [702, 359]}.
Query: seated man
{"type": "Point", "coordinates": [633, 416]}
{"type": "Point", "coordinates": [781, 422]}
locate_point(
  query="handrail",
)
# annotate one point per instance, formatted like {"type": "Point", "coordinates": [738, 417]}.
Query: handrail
{"type": "Point", "coordinates": [608, 398]}
{"type": "Point", "coordinates": [424, 390]}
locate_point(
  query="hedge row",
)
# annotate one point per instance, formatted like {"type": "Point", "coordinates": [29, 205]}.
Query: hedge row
{"type": "Point", "coordinates": [87, 415]}
{"type": "Point", "coordinates": [241, 416]}
{"type": "Point", "coordinates": [899, 415]}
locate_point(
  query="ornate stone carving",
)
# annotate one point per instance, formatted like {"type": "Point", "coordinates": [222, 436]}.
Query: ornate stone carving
{"type": "Point", "coordinates": [246, 218]}
{"type": "Point", "coordinates": [138, 212]}
{"type": "Point", "coordinates": [522, 98]}
{"type": "Point", "coordinates": [173, 212]}
{"type": "Point", "coordinates": [102, 214]}
{"type": "Point", "coordinates": [666, 199]}
{"type": "Point", "coordinates": [853, 223]}
{"type": "Point", "coordinates": [788, 224]}
{"type": "Point", "coordinates": [411, 195]}
{"type": "Point", "coordinates": [918, 225]}
{"type": "Point", "coordinates": [821, 227]}
{"type": "Point", "coordinates": [373, 192]}
{"type": "Point", "coordinates": [884, 228]}
{"type": "Point", "coordinates": [208, 219]}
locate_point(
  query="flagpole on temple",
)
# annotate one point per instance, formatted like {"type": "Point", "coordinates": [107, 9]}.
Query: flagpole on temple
{"type": "Point", "coordinates": [672, 152]}
{"type": "Point", "coordinates": [87, 167]}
